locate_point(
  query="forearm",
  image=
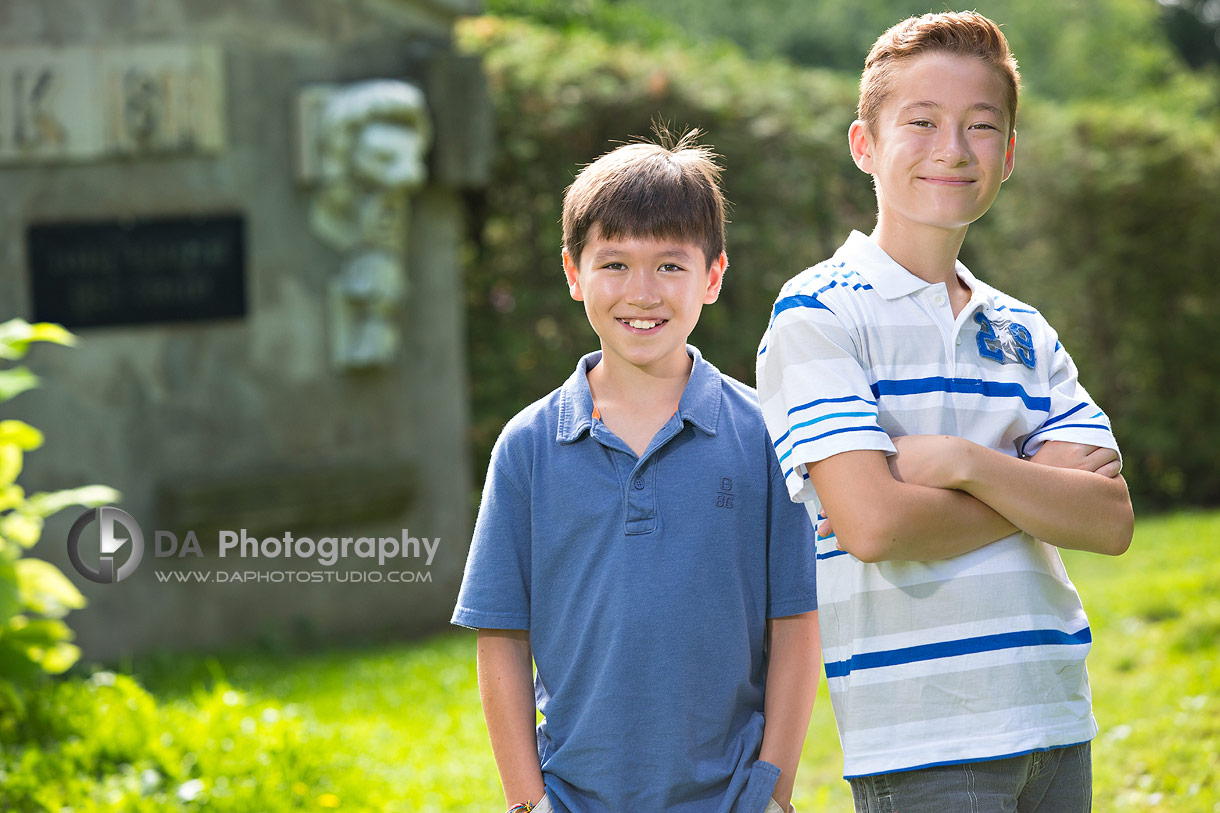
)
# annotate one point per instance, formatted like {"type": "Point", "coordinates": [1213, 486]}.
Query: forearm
{"type": "Point", "coordinates": [1065, 507]}
{"type": "Point", "coordinates": [793, 668]}
{"type": "Point", "coordinates": [877, 518]}
{"type": "Point", "coordinates": [506, 688]}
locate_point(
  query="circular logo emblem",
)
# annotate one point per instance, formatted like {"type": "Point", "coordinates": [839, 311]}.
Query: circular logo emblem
{"type": "Point", "coordinates": [111, 544]}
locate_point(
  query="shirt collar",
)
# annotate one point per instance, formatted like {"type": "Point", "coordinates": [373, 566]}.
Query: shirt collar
{"type": "Point", "coordinates": [891, 280]}
{"type": "Point", "coordinates": [700, 404]}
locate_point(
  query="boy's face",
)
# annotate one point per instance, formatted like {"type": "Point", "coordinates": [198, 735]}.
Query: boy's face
{"type": "Point", "coordinates": [643, 296]}
{"type": "Point", "coordinates": [941, 147]}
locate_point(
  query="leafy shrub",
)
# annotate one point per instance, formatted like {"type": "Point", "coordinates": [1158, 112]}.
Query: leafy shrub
{"type": "Point", "coordinates": [34, 595]}
{"type": "Point", "coordinates": [103, 743]}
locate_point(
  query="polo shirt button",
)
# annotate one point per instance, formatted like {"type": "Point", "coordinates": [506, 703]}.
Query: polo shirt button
{"type": "Point", "coordinates": [959, 340]}
{"type": "Point", "coordinates": [940, 300]}
{"type": "Point", "coordinates": [639, 484]}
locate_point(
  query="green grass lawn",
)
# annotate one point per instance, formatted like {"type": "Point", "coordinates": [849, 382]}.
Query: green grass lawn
{"type": "Point", "coordinates": [400, 728]}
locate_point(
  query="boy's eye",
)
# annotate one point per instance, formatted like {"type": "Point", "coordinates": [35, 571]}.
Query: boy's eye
{"type": "Point", "coordinates": [921, 123]}
{"type": "Point", "coordinates": [614, 265]}
{"type": "Point", "coordinates": [671, 267]}
{"type": "Point", "coordinates": [984, 125]}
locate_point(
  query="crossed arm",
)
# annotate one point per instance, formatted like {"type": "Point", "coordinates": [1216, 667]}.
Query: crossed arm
{"type": "Point", "coordinates": [943, 496]}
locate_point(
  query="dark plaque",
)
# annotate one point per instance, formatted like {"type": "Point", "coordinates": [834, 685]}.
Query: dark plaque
{"type": "Point", "coordinates": [136, 272]}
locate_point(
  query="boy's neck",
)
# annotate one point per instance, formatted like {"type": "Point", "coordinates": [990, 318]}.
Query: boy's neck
{"type": "Point", "coordinates": [615, 381]}
{"type": "Point", "coordinates": [930, 254]}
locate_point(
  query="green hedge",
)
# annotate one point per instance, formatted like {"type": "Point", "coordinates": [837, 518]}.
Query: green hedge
{"type": "Point", "coordinates": [1108, 225]}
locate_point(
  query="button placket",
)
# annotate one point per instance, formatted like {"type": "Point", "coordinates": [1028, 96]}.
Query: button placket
{"type": "Point", "coordinates": [642, 498]}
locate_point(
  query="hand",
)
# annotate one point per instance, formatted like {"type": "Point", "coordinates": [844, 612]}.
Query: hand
{"type": "Point", "coordinates": [1064, 455]}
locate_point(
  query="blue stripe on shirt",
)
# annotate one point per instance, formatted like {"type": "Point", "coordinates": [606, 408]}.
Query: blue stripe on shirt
{"type": "Point", "coordinates": [988, 389]}
{"type": "Point", "coordinates": [785, 455]}
{"type": "Point", "coordinates": [797, 301]}
{"type": "Point", "coordinates": [949, 649]}
{"type": "Point", "coordinates": [1067, 414]}
{"type": "Point", "coordinates": [1100, 427]}
{"type": "Point", "coordinates": [826, 417]}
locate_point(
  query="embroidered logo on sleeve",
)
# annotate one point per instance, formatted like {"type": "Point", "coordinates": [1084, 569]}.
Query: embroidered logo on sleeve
{"type": "Point", "coordinates": [1004, 341]}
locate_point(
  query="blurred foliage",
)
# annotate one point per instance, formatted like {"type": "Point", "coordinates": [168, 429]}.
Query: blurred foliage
{"type": "Point", "coordinates": [1108, 226]}
{"type": "Point", "coordinates": [1193, 27]}
{"type": "Point", "coordinates": [1072, 49]}
{"type": "Point", "coordinates": [103, 743]}
{"type": "Point", "coordinates": [34, 595]}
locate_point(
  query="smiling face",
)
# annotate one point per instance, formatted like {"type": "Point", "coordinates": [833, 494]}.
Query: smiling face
{"type": "Point", "coordinates": [643, 297]}
{"type": "Point", "coordinates": [941, 146]}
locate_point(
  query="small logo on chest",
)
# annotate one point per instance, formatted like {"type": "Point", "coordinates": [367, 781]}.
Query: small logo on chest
{"type": "Point", "coordinates": [724, 497]}
{"type": "Point", "coordinates": [1004, 341]}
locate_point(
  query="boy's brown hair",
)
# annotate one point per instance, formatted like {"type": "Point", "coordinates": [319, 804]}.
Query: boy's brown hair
{"type": "Point", "coordinates": [669, 189]}
{"type": "Point", "coordinates": [964, 33]}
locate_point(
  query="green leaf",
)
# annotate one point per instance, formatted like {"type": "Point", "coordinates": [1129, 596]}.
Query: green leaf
{"type": "Point", "coordinates": [37, 632]}
{"type": "Point", "coordinates": [10, 593]}
{"type": "Point", "coordinates": [45, 503]}
{"type": "Point", "coordinates": [16, 335]}
{"type": "Point", "coordinates": [44, 590]}
{"type": "Point", "coordinates": [10, 463]}
{"type": "Point", "coordinates": [58, 658]}
{"type": "Point", "coordinates": [16, 381]}
{"type": "Point", "coordinates": [20, 434]}
{"type": "Point", "coordinates": [24, 529]}
{"type": "Point", "coordinates": [11, 495]}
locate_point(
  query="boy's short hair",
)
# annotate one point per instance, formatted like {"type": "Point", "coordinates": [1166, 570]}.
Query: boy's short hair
{"type": "Point", "coordinates": [964, 33]}
{"type": "Point", "coordinates": [659, 190]}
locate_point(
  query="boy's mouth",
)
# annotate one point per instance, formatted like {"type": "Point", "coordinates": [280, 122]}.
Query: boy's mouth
{"type": "Point", "coordinates": [948, 180]}
{"type": "Point", "coordinates": [643, 324]}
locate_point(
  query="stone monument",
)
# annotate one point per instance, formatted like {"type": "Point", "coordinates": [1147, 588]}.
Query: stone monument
{"type": "Point", "coordinates": [251, 215]}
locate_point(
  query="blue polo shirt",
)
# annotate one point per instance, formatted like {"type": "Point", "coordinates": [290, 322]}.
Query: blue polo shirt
{"type": "Point", "coordinates": [645, 583]}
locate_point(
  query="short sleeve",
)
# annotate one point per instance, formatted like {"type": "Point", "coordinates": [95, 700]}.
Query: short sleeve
{"type": "Point", "coordinates": [791, 552]}
{"type": "Point", "coordinates": [815, 396]}
{"type": "Point", "coordinates": [1073, 416]}
{"type": "Point", "coordinates": [495, 592]}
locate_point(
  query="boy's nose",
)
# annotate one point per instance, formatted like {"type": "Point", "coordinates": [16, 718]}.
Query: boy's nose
{"type": "Point", "coordinates": [642, 290]}
{"type": "Point", "coordinates": [952, 148]}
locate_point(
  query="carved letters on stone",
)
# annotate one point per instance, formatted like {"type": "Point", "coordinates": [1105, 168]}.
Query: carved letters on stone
{"type": "Point", "coordinates": [83, 103]}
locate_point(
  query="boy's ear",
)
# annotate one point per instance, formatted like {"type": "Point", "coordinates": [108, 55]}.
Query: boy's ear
{"type": "Point", "coordinates": [861, 143]}
{"type": "Point", "coordinates": [1010, 155]}
{"type": "Point", "coordinates": [715, 278]}
{"type": "Point", "coordinates": [572, 272]}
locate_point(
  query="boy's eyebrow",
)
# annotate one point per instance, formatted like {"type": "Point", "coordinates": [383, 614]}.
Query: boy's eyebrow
{"type": "Point", "coordinates": [986, 107]}
{"type": "Point", "coordinates": [685, 253]}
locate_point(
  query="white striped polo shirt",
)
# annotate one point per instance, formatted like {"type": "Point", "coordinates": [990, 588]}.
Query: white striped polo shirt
{"type": "Point", "coordinates": [976, 657]}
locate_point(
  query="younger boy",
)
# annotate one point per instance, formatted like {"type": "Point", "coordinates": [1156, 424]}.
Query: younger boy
{"type": "Point", "coordinates": [956, 667]}
{"type": "Point", "coordinates": [635, 536]}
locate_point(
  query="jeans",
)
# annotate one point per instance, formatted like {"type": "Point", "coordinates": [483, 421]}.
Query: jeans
{"type": "Point", "coordinates": [1056, 781]}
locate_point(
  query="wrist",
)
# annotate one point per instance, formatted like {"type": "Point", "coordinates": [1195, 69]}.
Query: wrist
{"type": "Point", "coordinates": [962, 465]}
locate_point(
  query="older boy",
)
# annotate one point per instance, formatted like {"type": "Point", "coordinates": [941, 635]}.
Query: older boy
{"type": "Point", "coordinates": [956, 667]}
{"type": "Point", "coordinates": [635, 536]}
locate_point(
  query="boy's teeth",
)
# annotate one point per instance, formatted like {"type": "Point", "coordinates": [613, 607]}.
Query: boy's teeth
{"type": "Point", "coordinates": [640, 324]}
